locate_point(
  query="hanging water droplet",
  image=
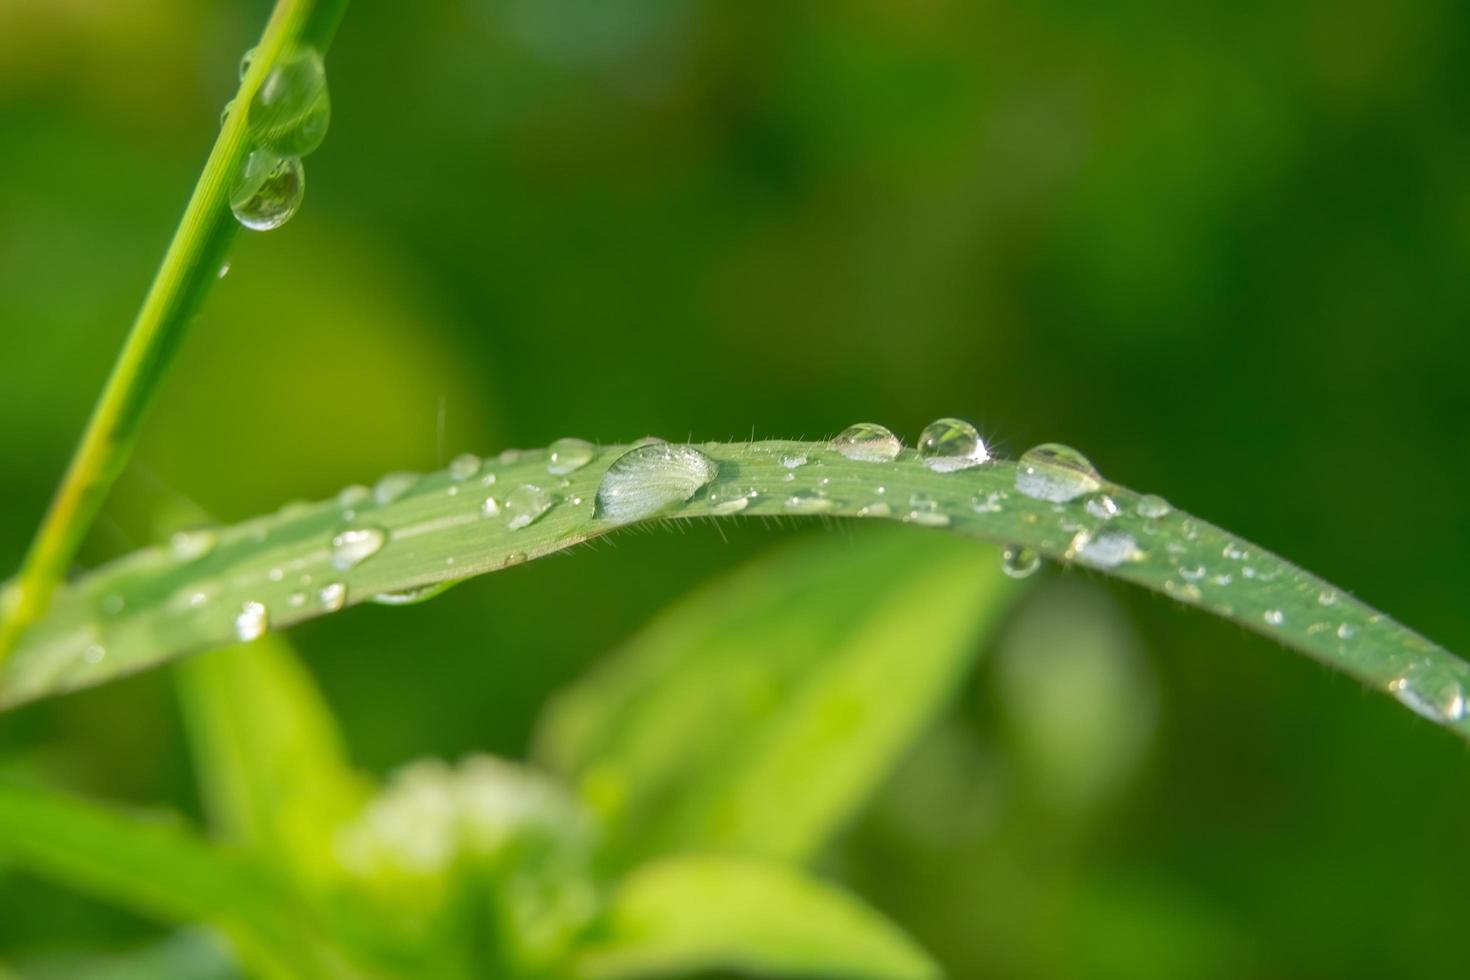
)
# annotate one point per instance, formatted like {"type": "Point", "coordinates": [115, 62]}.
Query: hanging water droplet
{"type": "Point", "coordinates": [464, 466]}
{"type": "Point", "coordinates": [810, 502]}
{"type": "Point", "coordinates": [924, 511]}
{"type": "Point", "coordinates": [1274, 617]}
{"type": "Point", "coordinates": [524, 505]}
{"type": "Point", "coordinates": [1056, 473]}
{"type": "Point", "coordinates": [569, 455]}
{"type": "Point", "coordinates": [1431, 690]}
{"type": "Point", "coordinates": [867, 442]}
{"type": "Point", "coordinates": [333, 596]}
{"type": "Point", "coordinates": [291, 109]}
{"type": "Point", "coordinates": [409, 597]}
{"type": "Point", "coordinates": [393, 486]}
{"type": "Point", "coordinates": [490, 508]}
{"type": "Point", "coordinates": [1106, 550]}
{"type": "Point", "coordinates": [1102, 506]}
{"type": "Point", "coordinates": [355, 546]}
{"type": "Point", "coordinates": [1019, 562]}
{"type": "Point", "coordinates": [1153, 506]}
{"type": "Point", "coordinates": [192, 544]}
{"type": "Point", "coordinates": [267, 191]}
{"type": "Point", "coordinates": [652, 479]}
{"type": "Point", "coordinates": [947, 445]}
{"type": "Point", "coordinates": [252, 622]}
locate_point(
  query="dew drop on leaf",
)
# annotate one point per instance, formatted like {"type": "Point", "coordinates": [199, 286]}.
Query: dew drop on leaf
{"type": "Point", "coordinates": [1153, 506]}
{"type": "Point", "coordinates": [1056, 473]}
{"type": "Point", "coordinates": [192, 544]}
{"type": "Point", "coordinates": [651, 479]}
{"type": "Point", "coordinates": [252, 622]}
{"type": "Point", "coordinates": [333, 596]}
{"type": "Point", "coordinates": [948, 445]}
{"type": "Point", "coordinates": [464, 467]}
{"type": "Point", "coordinates": [867, 442]}
{"type": "Point", "coordinates": [569, 455]}
{"type": "Point", "coordinates": [524, 505]}
{"type": "Point", "coordinates": [267, 191]}
{"type": "Point", "coordinates": [1019, 562]}
{"type": "Point", "coordinates": [291, 110]}
{"type": "Point", "coordinates": [356, 545]}
{"type": "Point", "coordinates": [392, 486]}
{"type": "Point", "coordinates": [810, 502]}
{"type": "Point", "coordinates": [1430, 690]}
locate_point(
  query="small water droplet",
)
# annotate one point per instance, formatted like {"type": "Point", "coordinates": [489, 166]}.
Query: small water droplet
{"type": "Point", "coordinates": [355, 546]}
{"type": "Point", "coordinates": [569, 455]}
{"type": "Point", "coordinates": [1326, 598]}
{"type": "Point", "coordinates": [291, 110]}
{"type": "Point", "coordinates": [352, 495]}
{"type": "Point", "coordinates": [651, 479]}
{"type": "Point", "coordinates": [794, 461]}
{"type": "Point", "coordinates": [1192, 573]}
{"type": "Point", "coordinates": [192, 544]}
{"type": "Point", "coordinates": [1102, 506]}
{"type": "Point", "coordinates": [1019, 562]}
{"type": "Point", "coordinates": [296, 600]}
{"type": "Point", "coordinates": [924, 511]}
{"type": "Point", "coordinates": [1346, 632]}
{"type": "Point", "coordinates": [267, 191]}
{"type": "Point", "coordinates": [393, 486]}
{"type": "Point", "coordinates": [224, 270]}
{"type": "Point", "coordinates": [809, 502]}
{"type": "Point", "coordinates": [409, 597]}
{"type": "Point", "coordinates": [333, 596]}
{"type": "Point", "coordinates": [276, 574]}
{"type": "Point", "coordinates": [1153, 506]}
{"type": "Point", "coordinates": [867, 442]}
{"type": "Point", "coordinates": [1275, 617]}
{"type": "Point", "coordinates": [1056, 473]}
{"type": "Point", "coordinates": [245, 61]}
{"type": "Point", "coordinates": [1106, 550]}
{"type": "Point", "coordinates": [988, 503]}
{"type": "Point", "coordinates": [464, 466]}
{"type": "Point", "coordinates": [1431, 690]}
{"type": "Point", "coordinates": [524, 505]}
{"type": "Point", "coordinates": [94, 653]}
{"type": "Point", "coordinates": [490, 508]}
{"type": "Point", "coordinates": [877, 508]}
{"type": "Point", "coordinates": [224, 114]}
{"type": "Point", "coordinates": [252, 622]}
{"type": "Point", "coordinates": [947, 445]}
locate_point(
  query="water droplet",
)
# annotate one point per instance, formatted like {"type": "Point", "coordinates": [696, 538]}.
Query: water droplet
{"type": "Point", "coordinates": [924, 511]}
{"type": "Point", "coordinates": [1107, 550]}
{"type": "Point", "coordinates": [224, 270]}
{"type": "Point", "coordinates": [490, 508]}
{"type": "Point", "coordinates": [651, 479]}
{"type": "Point", "coordinates": [464, 466]}
{"type": "Point", "coordinates": [948, 445]}
{"type": "Point", "coordinates": [877, 508]}
{"type": "Point", "coordinates": [1192, 573]}
{"type": "Point", "coordinates": [867, 442]}
{"type": "Point", "coordinates": [1019, 562]}
{"type": "Point", "coordinates": [1275, 617]}
{"type": "Point", "coordinates": [192, 544]}
{"type": "Point", "coordinates": [291, 109]}
{"type": "Point", "coordinates": [734, 505]}
{"type": "Point", "coordinates": [524, 506]}
{"type": "Point", "coordinates": [1055, 472]}
{"type": "Point", "coordinates": [245, 60]}
{"type": "Point", "coordinates": [989, 503]}
{"type": "Point", "coordinates": [1326, 598]}
{"type": "Point", "coordinates": [409, 597]}
{"type": "Point", "coordinates": [1346, 632]}
{"type": "Point", "coordinates": [355, 546]}
{"type": "Point", "coordinates": [648, 441]}
{"type": "Point", "coordinates": [393, 486]}
{"type": "Point", "coordinates": [94, 653]}
{"type": "Point", "coordinates": [1153, 506]}
{"type": "Point", "coordinates": [569, 455]}
{"type": "Point", "coordinates": [267, 191]}
{"type": "Point", "coordinates": [333, 596]}
{"type": "Point", "coordinates": [809, 502]}
{"type": "Point", "coordinates": [352, 495]}
{"type": "Point", "coordinates": [296, 600]}
{"type": "Point", "coordinates": [252, 622]}
{"type": "Point", "coordinates": [1102, 506]}
{"type": "Point", "coordinates": [1431, 690]}
{"type": "Point", "coordinates": [794, 460]}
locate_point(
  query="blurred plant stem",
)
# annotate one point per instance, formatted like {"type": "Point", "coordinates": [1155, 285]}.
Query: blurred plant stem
{"type": "Point", "coordinates": [191, 263]}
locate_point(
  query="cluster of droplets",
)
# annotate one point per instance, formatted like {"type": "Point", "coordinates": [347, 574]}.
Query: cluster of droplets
{"type": "Point", "coordinates": [287, 118]}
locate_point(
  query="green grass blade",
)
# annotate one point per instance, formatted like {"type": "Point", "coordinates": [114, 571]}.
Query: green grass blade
{"type": "Point", "coordinates": [190, 265]}
{"type": "Point", "coordinates": [696, 913]}
{"type": "Point", "coordinates": [157, 868]}
{"type": "Point", "coordinates": [154, 605]}
{"type": "Point", "coordinates": [756, 715]}
{"type": "Point", "coordinates": [270, 761]}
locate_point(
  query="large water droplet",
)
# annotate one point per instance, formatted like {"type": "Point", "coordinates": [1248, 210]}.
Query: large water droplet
{"type": "Point", "coordinates": [569, 455]}
{"type": "Point", "coordinates": [464, 466]}
{"type": "Point", "coordinates": [1106, 550]}
{"type": "Point", "coordinates": [333, 596]}
{"type": "Point", "coordinates": [1056, 473]}
{"type": "Point", "coordinates": [948, 445]}
{"type": "Point", "coordinates": [252, 622]}
{"type": "Point", "coordinates": [267, 191]}
{"type": "Point", "coordinates": [810, 502]}
{"type": "Point", "coordinates": [291, 110]}
{"type": "Point", "coordinates": [392, 486]}
{"type": "Point", "coordinates": [867, 442]}
{"type": "Point", "coordinates": [651, 479]}
{"type": "Point", "coordinates": [1018, 562]}
{"type": "Point", "coordinates": [1153, 506]}
{"type": "Point", "coordinates": [355, 546]}
{"type": "Point", "coordinates": [524, 505]}
{"type": "Point", "coordinates": [192, 544]}
{"type": "Point", "coordinates": [1431, 690]}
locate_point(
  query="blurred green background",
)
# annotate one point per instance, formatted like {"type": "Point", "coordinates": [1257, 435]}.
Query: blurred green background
{"type": "Point", "coordinates": [1224, 248]}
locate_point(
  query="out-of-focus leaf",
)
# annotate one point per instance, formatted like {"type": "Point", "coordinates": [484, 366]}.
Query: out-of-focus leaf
{"type": "Point", "coordinates": [684, 914]}
{"type": "Point", "coordinates": [757, 714]}
{"type": "Point", "coordinates": [184, 956]}
{"type": "Point", "coordinates": [268, 754]}
{"type": "Point", "coordinates": [156, 867]}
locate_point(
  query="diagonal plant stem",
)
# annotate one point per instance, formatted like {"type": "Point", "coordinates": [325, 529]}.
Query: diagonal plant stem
{"type": "Point", "coordinates": [189, 266]}
{"type": "Point", "coordinates": [417, 534]}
